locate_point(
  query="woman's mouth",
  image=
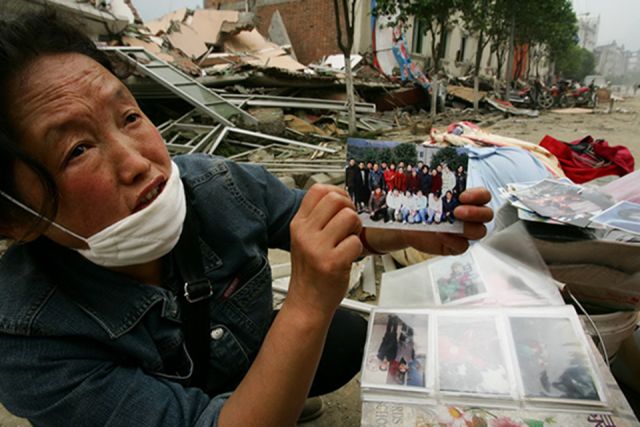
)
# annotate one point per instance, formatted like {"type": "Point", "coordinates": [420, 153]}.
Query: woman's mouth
{"type": "Point", "coordinates": [149, 196]}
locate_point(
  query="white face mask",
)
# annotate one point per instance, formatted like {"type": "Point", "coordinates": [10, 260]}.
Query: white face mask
{"type": "Point", "coordinates": [140, 237]}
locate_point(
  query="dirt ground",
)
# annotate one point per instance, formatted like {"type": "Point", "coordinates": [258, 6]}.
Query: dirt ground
{"type": "Point", "coordinates": [618, 128]}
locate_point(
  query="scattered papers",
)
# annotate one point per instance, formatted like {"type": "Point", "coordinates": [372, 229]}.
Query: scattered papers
{"type": "Point", "coordinates": [559, 201]}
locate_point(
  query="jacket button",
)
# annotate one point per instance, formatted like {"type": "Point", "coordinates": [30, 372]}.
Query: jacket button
{"type": "Point", "coordinates": [217, 333]}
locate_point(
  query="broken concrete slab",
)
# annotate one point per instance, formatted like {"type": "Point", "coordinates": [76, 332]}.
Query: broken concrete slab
{"type": "Point", "coordinates": [465, 93]}
{"type": "Point", "coordinates": [270, 120]}
{"type": "Point", "coordinates": [187, 40]}
{"type": "Point", "coordinates": [278, 33]}
{"type": "Point", "coordinates": [162, 24]}
{"type": "Point", "coordinates": [208, 22]}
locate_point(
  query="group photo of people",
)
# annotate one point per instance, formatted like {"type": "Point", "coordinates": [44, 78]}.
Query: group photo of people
{"type": "Point", "coordinates": [397, 185]}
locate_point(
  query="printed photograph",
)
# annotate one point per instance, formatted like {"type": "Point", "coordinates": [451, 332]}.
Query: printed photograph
{"type": "Point", "coordinates": [397, 351]}
{"type": "Point", "coordinates": [624, 216]}
{"type": "Point", "coordinates": [456, 279]}
{"type": "Point", "coordinates": [471, 356]}
{"type": "Point", "coordinates": [405, 185]}
{"type": "Point", "coordinates": [564, 202]}
{"type": "Point", "coordinates": [552, 360]}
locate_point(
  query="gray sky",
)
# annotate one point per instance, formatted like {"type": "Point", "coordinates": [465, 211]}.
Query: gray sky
{"type": "Point", "coordinates": [619, 20]}
{"type": "Point", "coordinates": [152, 9]}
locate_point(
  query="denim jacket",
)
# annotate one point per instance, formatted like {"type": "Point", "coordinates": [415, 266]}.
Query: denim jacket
{"type": "Point", "coordinates": [85, 346]}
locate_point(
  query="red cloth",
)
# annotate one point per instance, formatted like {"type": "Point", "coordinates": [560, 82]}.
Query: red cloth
{"type": "Point", "coordinates": [586, 159]}
{"type": "Point", "coordinates": [389, 178]}
{"type": "Point", "coordinates": [413, 183]}
{"type": "Point", "coordinates": [400, 182]}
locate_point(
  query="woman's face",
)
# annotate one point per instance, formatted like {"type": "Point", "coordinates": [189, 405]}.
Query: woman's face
{"type": "Point", "coordinates": [86, 128]}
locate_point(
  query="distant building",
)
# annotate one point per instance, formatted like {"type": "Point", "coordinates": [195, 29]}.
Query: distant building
{"type": "Point", "coordinates": [633, 61]}
{"type": "Point", "coordinates": [611, 59]}
{"type": "Point", "coordinates": [588, 28]}
{"type": "Point", "coordinates": [460, 54]}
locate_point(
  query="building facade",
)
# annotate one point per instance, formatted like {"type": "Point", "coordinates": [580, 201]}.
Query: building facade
{"type": "Point", "coordinates": [588, 28]}
{"type": "Point", "coordinates": [611, 59]}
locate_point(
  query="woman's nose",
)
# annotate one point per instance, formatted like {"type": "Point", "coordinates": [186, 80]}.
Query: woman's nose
{"type": "Point", "coordinates": [130, 162]}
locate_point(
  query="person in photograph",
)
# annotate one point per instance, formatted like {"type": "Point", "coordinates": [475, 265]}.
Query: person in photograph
{"type": "Point", "coordinates": [448, 179]}
{"type": "Point", "coordinates": [350, 178]}
{"type": "Point", "coordinates": [383, 166]}
{"type": "Point", "coordinates": [361, 184]}
{"type": "Point", "coordinates": [394, 203]}
{"type": "Point", "coordinates": [400, 181]}
{"type": "Point", "coordinates": [406, 206]}
{"type": "Point", "coordinates": [415, 373]}
{"type": "Point", "coordinates": [434, 208]}
{"type": "Point", "coordinates": [436, 182]}
{"type": "Point", "coordinates": [390, 177]}
{"type": "Point", "coordinates": [369, 166]}
{"type": "Point", "coordinates": [401, 165]}
{"type": "Point", "coordinates": [136, 289]}
{"type": "Point", "coordinates": [420, 213]}
{"type": "Point", "coordinates": [425, 180]}
{"type": "Point", "coordinates": [378, 204]}
{"type": "Point", "coordinates": [413, 182]}
{"type": "Point", "coordinates": [388, 348]}
{"type": "Point", "coordinates": [376, 178]}
{"type": "Point", "coordinates": [419, 167]}
{"type": "Point", "coordinates": [459, 284]}
{"type": "Point", "coordinates": [449, 204]}
{"type": "Point", "coordinates": [461, 181]}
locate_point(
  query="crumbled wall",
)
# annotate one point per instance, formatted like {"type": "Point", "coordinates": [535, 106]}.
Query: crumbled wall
{"type": "Point", "coordinates": [310, 24]}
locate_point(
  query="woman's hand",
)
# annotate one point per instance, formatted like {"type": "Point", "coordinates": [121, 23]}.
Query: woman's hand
{"type": "Point", "coordinates": [471, 211]}
{"type": "Point", "coordinates": [324, 243]}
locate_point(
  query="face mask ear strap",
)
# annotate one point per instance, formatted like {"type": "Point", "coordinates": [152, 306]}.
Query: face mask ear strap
{"type": "Point", "coordinates": [40, 216]}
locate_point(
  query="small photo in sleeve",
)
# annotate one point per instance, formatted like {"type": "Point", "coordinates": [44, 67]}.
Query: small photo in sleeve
{"type": "Point", "coordinates": [471, 356]}
{"type": "Point", "coordinates": [553, 362]}
{"type": "Point", "coordinates": [397, 351]}
{"type": "Point", "coordinates": [456, 280]}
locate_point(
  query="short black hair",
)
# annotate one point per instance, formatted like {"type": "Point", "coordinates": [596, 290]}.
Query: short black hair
{"type": "Point", "coordinates": [23, 39]}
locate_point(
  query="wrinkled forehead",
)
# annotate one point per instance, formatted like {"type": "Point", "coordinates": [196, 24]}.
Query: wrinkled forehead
{"type": "Point", "coordinates": [55, 82]}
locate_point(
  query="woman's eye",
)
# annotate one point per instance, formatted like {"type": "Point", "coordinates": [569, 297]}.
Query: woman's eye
{"type": "Point", "coordinates": [77, 151]}
{"type": "Point", "coordinates": [132, 118]}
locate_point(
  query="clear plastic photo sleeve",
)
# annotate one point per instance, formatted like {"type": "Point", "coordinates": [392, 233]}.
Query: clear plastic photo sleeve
{"type": "Point", "coordinates": [554, 363]}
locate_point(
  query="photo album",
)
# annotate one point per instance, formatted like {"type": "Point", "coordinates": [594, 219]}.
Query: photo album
{"type": "Point", "coordinates": [406, 186]}
{"type": "Point", "coordinates": [503, 357]}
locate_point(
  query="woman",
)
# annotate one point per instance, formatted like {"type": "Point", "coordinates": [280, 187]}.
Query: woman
{"type": "Point", "coordinates": [101, 299]}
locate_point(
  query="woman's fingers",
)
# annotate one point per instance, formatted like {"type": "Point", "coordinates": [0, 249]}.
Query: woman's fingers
{"type": "Point", "coordinates": [453, 244]}
{"type": "Point", "coordinates": [315, 195]}
{"type": "Point", "coordinates": [343, 224]}
{"type": "Point", "coordinates": [471, 213]}
{"type": "Point", "coordinates": [473, 231]}
{"type": "Point", "coordinates": [475, 196]}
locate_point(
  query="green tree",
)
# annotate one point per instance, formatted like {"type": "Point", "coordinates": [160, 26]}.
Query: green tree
{"type": "Point", "coordinates": [576, 63]}
{"type": "Point", "coordinates": [450, 157]}
{"type": "Point", "coordinates": [406, 152]}
{"type": "Point", "coordinates": [387, 155]}
{"type": "Point", "coordinates": [345, 14]}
